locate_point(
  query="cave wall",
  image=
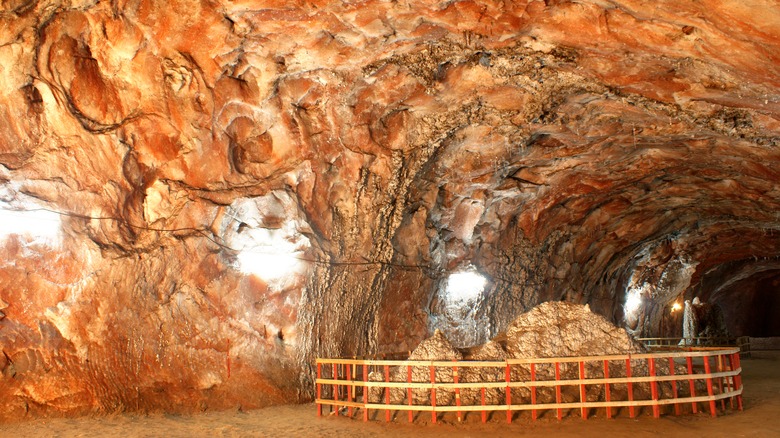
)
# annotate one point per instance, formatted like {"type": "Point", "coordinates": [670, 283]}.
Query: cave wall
{"type": "Point", "coordinates": [748, 298]}
{"type": "Point", "coordinates": [584, 151]}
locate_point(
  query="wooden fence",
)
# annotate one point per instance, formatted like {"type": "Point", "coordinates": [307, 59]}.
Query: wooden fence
{"type": "Point", "coordinates": [676, 381]}
{"type": "Point", "coordinates": [741, 342]}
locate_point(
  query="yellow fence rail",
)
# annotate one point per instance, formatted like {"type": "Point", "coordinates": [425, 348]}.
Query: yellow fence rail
{"type": "Point", "coordinates": [741, 342]}
{"type": "Point", "coordinates": [676, 381]}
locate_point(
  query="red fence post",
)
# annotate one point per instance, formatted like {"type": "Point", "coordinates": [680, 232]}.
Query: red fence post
{"type": "Point", "coordinates": [719, 368]}
{"type": "Point", "coordinates": [674, 386]}
{"type": "Point", "coordinates": [387, 392]}
{"type": "Point", "coordinates": [729, 381]}
{"type": "Point", "coordinates": [319, 389]}
{"type": "Point", "coordinates": [433, 394]}
{"type": "Point", "coordinates": [689, 362]}
{"type": "Point", "coordinates": [349, 390]}
{"type": "Point", "coordinates": [484, 412]}
{"type": "Point", "coordinates": [508, 395]}
{"type": "Point", "coordinates": [606, 389]}
{"type": "Point", "coordinates": [365, 392]}
{"type": "Point", "coordinates": [558, 389]}
{"type": "Point", "coordinates": [533, 390]}
{"type": "Point", "coordinates": [335, 388]}
{"type": "Point", "coordinates": [409, 391]}
{"type": "Point", "coordinates": [583, 398]}
{"type": "Point", "coordinates": [738, 380]}
{"type": "Point", "coordinates": [709, 385]}
{"type": "Point", "coordinates": [631, 412]}
{"type": "Point", "coordinates": [654, 388]}
{"type": "Point", "coordinates": [457, 392]}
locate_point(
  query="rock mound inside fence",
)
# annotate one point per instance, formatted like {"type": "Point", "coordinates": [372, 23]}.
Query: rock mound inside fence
{"type": "Point", "coordinates": [550, 330]}
{"type": "Point", "coordinates": [437, 347]}
{"type": "Point", "coordinates": [490, 351]}
{"type": "Point", "coordinates": [560, 329]}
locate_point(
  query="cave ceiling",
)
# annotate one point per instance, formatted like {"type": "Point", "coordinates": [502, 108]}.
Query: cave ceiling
{"type": "Point", "coordinates": [225, 189]}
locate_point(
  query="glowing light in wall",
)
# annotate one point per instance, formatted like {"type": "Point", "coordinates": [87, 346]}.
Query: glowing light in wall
{"type": "Point", "coordinates": [465, 285]}
{"type": "Point", "coordinates": [676, 307]}
{"type": "Point", "coordinates": [633, 302]}
{"type": "Point", "coordinates": [268, 237]}
{"type": "Point", "coordinates": [30, 222]}
{"type": "Point", "coordinates": [269, 254]}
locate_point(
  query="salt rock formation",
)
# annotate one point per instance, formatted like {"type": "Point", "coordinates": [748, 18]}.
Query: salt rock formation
{"type": "Point", "coordinates": [550, 330]}
{"type": "Point", "coordinates": [489, 351]}
{"type": "Point", "coordinates": [560, 329]}
{"type": "Point", "coordinates": [711, 321]}
{"type": "Point", "coordinates": [436, 347]}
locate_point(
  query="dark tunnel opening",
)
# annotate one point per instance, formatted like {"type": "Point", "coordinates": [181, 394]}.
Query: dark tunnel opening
{"type": "Point", "coordinates": [750, 306]}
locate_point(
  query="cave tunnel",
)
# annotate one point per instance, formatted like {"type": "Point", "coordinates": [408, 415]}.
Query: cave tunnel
{"type": "Point", "coordinates": [194, 204]}
{"type": "Point", "coordinates": [749, 300]}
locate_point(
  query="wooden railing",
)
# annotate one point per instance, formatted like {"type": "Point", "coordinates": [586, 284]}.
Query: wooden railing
{"type": "Point", "coordinates": [670, 380]}
{"type": "Point", "coordinates": [690, 342]}
{"type": "Point", "coordinates": [741, 342]}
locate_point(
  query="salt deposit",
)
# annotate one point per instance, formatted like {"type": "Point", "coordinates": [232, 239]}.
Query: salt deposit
{"type": "Point", "coordinates": [437, 347]}
{"type": "Point", "coordinates": [550, 330]}
{"type": "Point", "coordinates": [490, 351]}
{"type": "Point", "coordinates": [559, 329]}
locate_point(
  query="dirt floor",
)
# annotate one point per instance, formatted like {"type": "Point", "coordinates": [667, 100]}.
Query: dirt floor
{"type": "Point", "coordinates": [760, 418]}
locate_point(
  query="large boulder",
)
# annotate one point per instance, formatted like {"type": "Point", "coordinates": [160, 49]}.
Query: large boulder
{"type": "Point", "coordinates": [560, 329]}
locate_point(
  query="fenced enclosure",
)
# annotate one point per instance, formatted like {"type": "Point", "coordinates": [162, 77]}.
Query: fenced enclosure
{"type": "Point", "coordinates": [708, 341]}
{"type": "Point", "coordinates": [675, 382]}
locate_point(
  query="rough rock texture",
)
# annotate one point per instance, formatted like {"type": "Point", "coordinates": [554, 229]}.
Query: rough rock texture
{"type": "Point", "coordinates": [748, 297]}
{"type": "Point", "coordinates": [489, 351]}
{"type": "Point", "coordinates": [550, 330]}
{"type": "Point", "coordinates": [437, 347]}
{"type": "Point", "coordinates": [557, 329]}
{"type": "Point", "coordinates": [579, 150]}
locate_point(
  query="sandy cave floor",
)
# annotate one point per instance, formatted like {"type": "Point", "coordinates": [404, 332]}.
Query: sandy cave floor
{"type": "Point", "coordinates": [760, 418]}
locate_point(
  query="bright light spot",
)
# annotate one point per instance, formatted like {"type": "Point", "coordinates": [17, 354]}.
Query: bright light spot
{"type": "Point", "coordinates": [268, 266]}
{"type": "Point", "coordinates": [31, 222]}
{"type": "Point", "coordinates": [267, 236]}
{"type": "Point", "coordinates": [676, 306]}
{"type": "Point", "coordinates": [465, 285]}
{"type": "Point", "coordinates": [269, 254]}
{"type": "Point", "coordinates": [633, 301]}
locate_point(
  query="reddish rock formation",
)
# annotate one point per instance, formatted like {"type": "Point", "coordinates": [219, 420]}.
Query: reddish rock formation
{"type": "Point", "coordinates": [240, 186]}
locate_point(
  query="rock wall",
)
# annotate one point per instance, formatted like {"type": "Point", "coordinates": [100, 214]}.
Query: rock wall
{"type": "Point", "coordinates": [229, 188]}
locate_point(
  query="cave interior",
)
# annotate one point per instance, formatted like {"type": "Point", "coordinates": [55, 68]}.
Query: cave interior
{"type": "Point", "coordinates": [199, 197]}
